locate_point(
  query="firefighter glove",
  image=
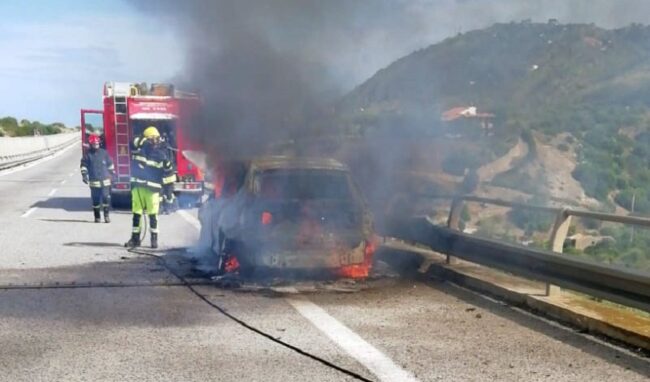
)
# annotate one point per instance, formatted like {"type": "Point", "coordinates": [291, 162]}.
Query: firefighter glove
{"type": "Point", "coordinates": [84, 178]}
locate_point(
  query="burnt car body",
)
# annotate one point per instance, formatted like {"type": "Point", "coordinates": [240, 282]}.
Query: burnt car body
{"type": "Point", "coordinates": [288, 215]}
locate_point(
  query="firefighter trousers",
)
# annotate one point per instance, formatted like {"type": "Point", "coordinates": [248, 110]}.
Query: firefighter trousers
{"type": "Point", "coordinates": [101, 197]}
{"type": "Point", "coordinates": [144, 200]}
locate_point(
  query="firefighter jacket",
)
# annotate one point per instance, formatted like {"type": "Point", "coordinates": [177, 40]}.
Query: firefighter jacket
{"type": "Point", "coordinates": [98, 167]}
{"type": "Point", "coordinates": [150, 166]}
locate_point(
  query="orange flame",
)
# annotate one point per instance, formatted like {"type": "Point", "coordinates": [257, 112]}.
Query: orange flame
{"type": "Point", "coordinates": [232, 265]}
{"type": "Point", "coordinates": [360, 271]}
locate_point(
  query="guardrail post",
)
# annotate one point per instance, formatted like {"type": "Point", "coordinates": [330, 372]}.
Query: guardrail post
{"type": "Point", "coordinates": [558, 236]}
{"type": "Point", "coordinates": [453, 221]}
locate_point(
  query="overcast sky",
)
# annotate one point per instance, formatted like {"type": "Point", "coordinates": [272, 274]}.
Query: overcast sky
{"type": "Point", "coordinates": [56, 54]}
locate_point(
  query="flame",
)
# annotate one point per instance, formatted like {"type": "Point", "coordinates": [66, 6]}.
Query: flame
{"type": "Point", "coordinates": [232, 265]}
{"type": "Point", "coordinates": [355, 271]}
{"type": "Point", "coordinates": [360, 271]}
{"type": "Point", "coordinates": [267, 218]}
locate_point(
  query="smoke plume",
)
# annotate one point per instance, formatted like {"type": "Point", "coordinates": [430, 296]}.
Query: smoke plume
{"type": "Point", "coordinates": [260, 67]}
{"type": "Point", "coordinates": [267, 69]}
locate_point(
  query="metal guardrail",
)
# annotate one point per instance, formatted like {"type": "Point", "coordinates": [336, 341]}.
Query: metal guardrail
{"type": "Point", "coordinates": [10, 161]}
{"type": "Point", "coordinates": [617, 284]}
{"type": "Point", "coordinates": [623, 286]}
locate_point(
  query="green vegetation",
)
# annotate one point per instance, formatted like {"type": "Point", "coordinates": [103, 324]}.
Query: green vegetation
{"type": "Point", "coordinates": [531, 220]}
{"type": "Point", "coordinates": [543, 78]}
{"type": "Point", "coordinates": [457, 162]}
{"type": "Point", "coordinates": [537, 79]}
{"type": "Point", "coordinates": [11, 127]}
{"type": "Point", "coordinates": [627, 247]}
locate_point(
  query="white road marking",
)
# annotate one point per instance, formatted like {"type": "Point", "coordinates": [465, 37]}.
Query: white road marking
{"type": "Point", "coordinates": [71, 174]}
{"type": "Point", "coordinates": [194, 222]}
{"type": "Point", "coordinates": [52, 192]}
{"type": "Point", "coordinates": [370, 357]}
{"type": "Point", "coordinates": [374, 360]}
{"type": "Point", "coordinates": [29, 212]}
{"type": "Point", "coordinates": [63, 181]}
{"type": "Point", "coordinates": [36, 162]}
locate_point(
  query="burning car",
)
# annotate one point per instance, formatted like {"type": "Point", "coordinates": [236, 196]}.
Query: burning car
{"type": "Point", "coordinates": [283, 215]}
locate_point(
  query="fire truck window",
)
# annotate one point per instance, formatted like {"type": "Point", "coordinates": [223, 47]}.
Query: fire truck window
{"type": "Point", "coordinates": [94, 124]}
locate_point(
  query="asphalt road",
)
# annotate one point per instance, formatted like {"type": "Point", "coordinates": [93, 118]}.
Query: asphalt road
{"type": "Point", "coordinates": [389, 329]}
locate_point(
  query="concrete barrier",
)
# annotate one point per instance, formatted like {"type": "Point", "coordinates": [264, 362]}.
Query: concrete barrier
{"type": "Point", "coordinates": [24, 146]}
{"type": "Point", "coordinates": [20, 150]}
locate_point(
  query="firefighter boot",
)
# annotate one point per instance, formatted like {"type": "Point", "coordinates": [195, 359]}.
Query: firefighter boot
{"type": "Point", "coordinates": [97, 214]}
{"type": "Point", "coordinates": [134, 241]}
{"type": "Point", "coordinates": [107, 218]}
{"type": "Point", "coordinates": [154, 240]}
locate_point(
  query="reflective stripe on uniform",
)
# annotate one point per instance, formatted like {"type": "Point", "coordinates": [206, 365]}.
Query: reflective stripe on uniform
{"type": "Point", "coordinates": [99, 183]}
{"type": "Point", "coordinates": [169, 179]}
{"type": "Point", "coordinates": [142, 182]}
{"type": "Point", "coordinates": [154, 164]}
{"type": "Point", "coordinates": [139, 158]}
{"type": "Point", "coordinates": [148, 162]}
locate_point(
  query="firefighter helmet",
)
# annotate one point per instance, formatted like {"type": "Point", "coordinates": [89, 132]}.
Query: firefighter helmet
{"type": "Point", "coordinates": [93, 139]}
{"type": "Point", "coordinates": [151, 132]}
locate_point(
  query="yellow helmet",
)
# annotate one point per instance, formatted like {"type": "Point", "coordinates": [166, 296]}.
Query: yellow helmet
{"type": "Point", "coordinates": [151, 132]}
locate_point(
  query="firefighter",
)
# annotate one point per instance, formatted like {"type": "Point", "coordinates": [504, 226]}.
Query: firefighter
{"type": "Point", "coordinates": [97, 169]}
{"type": "Point", "coordinates": [151, 174]}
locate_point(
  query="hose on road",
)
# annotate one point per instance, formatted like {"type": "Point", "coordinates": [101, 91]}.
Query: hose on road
{"type": "Point", "coordinates": [244, 324]}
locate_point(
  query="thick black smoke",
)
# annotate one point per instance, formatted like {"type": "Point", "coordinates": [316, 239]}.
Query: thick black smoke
{"type": "Point", "coordinates": [259, 66]}
{"type": "Point", "coordinates": [267, 68]}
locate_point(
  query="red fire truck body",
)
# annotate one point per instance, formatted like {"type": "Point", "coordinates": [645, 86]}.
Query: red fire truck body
{"type": "Point", "coordinates": [131, 108]}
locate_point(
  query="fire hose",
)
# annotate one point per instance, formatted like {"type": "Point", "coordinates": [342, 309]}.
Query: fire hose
{"type": "Point", "coordinates": [244, 324]}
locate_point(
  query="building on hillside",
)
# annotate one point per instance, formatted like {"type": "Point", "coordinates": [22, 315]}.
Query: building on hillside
{"type": "Point", "coordinates": [471, 114]}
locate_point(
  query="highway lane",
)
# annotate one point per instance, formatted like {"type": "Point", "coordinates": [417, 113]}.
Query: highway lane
{"type": "Point", "coordinates": [426, 331]}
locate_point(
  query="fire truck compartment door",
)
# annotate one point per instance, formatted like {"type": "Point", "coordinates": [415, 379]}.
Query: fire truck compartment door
{"type": "Point", "coordinates": [92, 122]}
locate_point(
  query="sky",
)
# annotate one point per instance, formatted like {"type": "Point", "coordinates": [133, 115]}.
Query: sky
{"type": "Point", "coordinates": [56, 54]}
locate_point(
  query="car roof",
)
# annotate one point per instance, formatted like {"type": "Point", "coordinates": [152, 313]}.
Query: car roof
{"type": "Point", "coordinates": [286, 162]}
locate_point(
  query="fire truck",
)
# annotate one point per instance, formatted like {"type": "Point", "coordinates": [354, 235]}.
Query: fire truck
{"type": "Point", "coordinates": [128, 109]}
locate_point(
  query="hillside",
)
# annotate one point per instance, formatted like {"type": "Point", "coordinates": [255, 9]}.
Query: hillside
{"type": "Point", "coordinates": [517, 68]}
{"type": "Point", "coordinates": [589, 83]}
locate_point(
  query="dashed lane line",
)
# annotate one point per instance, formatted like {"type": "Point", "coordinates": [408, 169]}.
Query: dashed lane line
{"type": "Point", "coordinates": [63, 181]}
{"type": "Point", "coordinates": [374, 360]}
{"type": "Point", "coordinates": [370, 357]}
{"type": "Point", "coordinates": [29, 212]}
